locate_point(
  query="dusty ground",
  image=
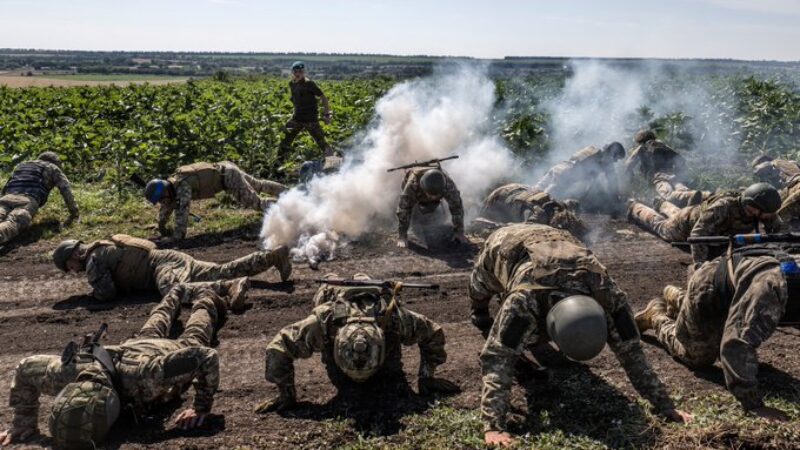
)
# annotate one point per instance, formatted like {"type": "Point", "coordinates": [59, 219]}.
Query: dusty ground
{"type": "Point", "coordinates": [41, 309]}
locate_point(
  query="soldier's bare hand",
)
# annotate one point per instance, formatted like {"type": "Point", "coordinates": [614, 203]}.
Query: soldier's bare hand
{"type": "Point", "coordinates": [772, 414]}
{"type": "Point", "coordinates": [402, 243]}
{"type": "Point", "coordinates": [12, 436]}
{"type": "Point", "coordinates": [676, 415]}
{"type": "Point", "coordinates": [431, 385]}
{"type": "Point", "coordinates": [498, 439]}
{"type": "Point", "coordinates": [189, 419]}
{"type": "Point", "coordinates": [276, 404]}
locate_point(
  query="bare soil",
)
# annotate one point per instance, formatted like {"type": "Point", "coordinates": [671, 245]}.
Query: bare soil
{"type": "Point", "coordinates": [41, 309]}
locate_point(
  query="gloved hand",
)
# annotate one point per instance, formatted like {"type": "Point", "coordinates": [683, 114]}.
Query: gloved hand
{"type": "Point", "coordinates": [285, 400]}
{"type": "Point", "coordinates": [432, 385]}
{"type": "Point", "coordinates": [481, 319]}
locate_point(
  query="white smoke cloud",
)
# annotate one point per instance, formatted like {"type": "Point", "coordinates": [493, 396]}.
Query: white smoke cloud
{"type": "Point", "coordinates": [447, 113]}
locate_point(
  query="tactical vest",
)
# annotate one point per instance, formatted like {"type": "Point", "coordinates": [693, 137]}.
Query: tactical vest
{"type": "Point", "coordinates": [28, 180]}
{"type": "Point", "coordinates": [133, 271]}
{"type": "Point", "coordinates": [204, 178]}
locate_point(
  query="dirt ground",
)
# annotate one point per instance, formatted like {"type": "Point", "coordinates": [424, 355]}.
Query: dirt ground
{"type": "Point", "coordinates": [42, 309]}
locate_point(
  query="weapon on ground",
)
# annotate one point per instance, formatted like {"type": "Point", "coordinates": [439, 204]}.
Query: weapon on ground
{"type": "Point", "coordinates": [377, 283]}
{"type": "Point", "coordinates": [432, 162]}
{"type": "Point", "coordinates": [741, 239]}
{"type": "Point", "coordinates": [94, 338]}
{"type": "Point", "coordinates": [89, 340]}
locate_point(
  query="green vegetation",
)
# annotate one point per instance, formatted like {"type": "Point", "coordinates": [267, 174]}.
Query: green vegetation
{"type": "Point", "coordinates": [114, 77]}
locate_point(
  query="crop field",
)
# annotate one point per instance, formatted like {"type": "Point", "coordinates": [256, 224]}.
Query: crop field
{"type": "Point", "coordinates": [108, 133]}
{"type": "Point", "coordinates": [17, 81]}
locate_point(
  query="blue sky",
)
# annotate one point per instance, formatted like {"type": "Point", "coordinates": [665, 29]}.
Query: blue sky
{"type": "Point", "coordinates": [744, 29]}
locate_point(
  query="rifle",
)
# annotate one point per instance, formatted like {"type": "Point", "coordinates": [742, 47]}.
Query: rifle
{"type": "Point", "coordinates": [741, 239]}
{"type": "Point", "coordinates": [435, 161]}
{"type": "Point", "coordinates": [90, 340]}
{"type": "Point", "coordinates": [377, 283]}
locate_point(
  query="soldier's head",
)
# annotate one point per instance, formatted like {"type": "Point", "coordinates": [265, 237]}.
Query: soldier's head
{"type": "Point", "coordinates": [433, 184]}
{"type": "Point", "coordinates": [760, 159]}
{"type": "Point", "coordinates": [157, 190]}
{"type": "Point", "coordinates": [577, 324]}
{"type": "Point", "coordinates": [51, 157]}
{"type": "Point", "coordinates": [68, 256]}
{"type": "Point", "coordinates": [84, 410]}
{"type": "Point", "coordinates": [298, 70]}
{"type": "Point", "coordinates": [766, 172]}
{"type": "Point", "coordinates": [761, 200]}
{"type": "Point", "coordinates": [614, 151]}
{"type": "Point", "coordinates": [642, 136]}
{"type": "Point", "coordinates": [359, 348]}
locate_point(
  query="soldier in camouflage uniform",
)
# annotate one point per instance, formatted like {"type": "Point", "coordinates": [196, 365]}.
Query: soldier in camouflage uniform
{"type": "Point", "coordinates": [652, 157]}
{"type": "Point", "coordinates": [514, 203]}
{"type": "Point", "coordinates": [127, 264]}
{"type": "Point", "coordinates": [785, 175]}
{"type": "Point", "coordinates": [27, 191]}
{"type": "Point", "coordinates": [204, 180]}
{"type": "Point", "coordinates": [142, 373]}
{"type": "Point", "coordinates": [588, 177]}
{"type": "Point", "coordinates": [359, 332]}
{"type": "Point", "coordinates": [722, 214]}
{"type": "Point", "coordinates": [533, 267]}
{"type": "Point", "coordinates": [423, 191]}
{"type": "Point", "coordinates": [731, 305]}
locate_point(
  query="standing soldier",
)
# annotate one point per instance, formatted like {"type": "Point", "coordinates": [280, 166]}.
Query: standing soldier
{"type": "Point", "coordinates": [93, 384]}
{"type": "Point", "coordinates": [423, 191]}
{"type": "Point", "coordinates": [200, 181]}
{"type": "Point", "coordinates": [730, 306]}
{"type": "Point", "coordinates": [128, 264]}
{"type": "Point", "coordinates": [359, 331]}
{"type": "Point", "coordinates": [27, 191]}
{"type": "Point", "coordinates": [588, 177]}
{"type": "Point", "coordinates": [545, 276]}
{"type": "Point", "coordinates": [306, 112]}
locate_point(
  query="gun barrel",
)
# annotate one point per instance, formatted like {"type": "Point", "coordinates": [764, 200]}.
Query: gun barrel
{"type": "Point", "coordinates": [423, 163]}
{"type": "Point", "coordinates": [377, 283]}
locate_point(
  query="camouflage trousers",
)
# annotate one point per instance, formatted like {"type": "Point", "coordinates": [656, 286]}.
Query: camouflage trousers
{"type": "Point", "coordinates": [16, 215]}
{"type": "Point", "coordinates": [674, 191]}
{"type": "Point", "coordinates": [207, 308]}
{"type": "Point", "coordinates": [245, 187]}
{"type": "Point", "coordinates": [675, 227]}
{"type": "Point", "coordinates": [293, 128]}
{"type": "Point", "coordinates": [790, 209]}
{"type": "Point", "coordinates": [173, 267]}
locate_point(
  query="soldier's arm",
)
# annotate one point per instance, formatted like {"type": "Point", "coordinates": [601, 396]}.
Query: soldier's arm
{"type": "Point", "coordinates": [632, 161]}
{"type": "Point", "coordinates": [183, 201]}
{"type": "Point", "coordinates": [483, 284]}
{"type": "Point", "coordinates": [453, 198]}
{"type": "Point", "coordinates": [203, 364]}
{"type": "Point", "coordinates": [165, 210]}
{"type": "Point", "coordinates": [428, 335]}
{"type": "Point", "coordinates": [623, 339]}
{"type": "Point", "coordinates": [408, 199]}
{"type": "Point", "coordinates": [299, 340]}
{"type": "Point", "coordinates": [30, 381]}
{"type": "Point", "coordinates": [775, 225]}
{"type": "Point", "coordinates": [99, 277]}
{"type": "Point", "coordinates": [708, 224]}
{"type": "Point", "coordinates": [62, 183]}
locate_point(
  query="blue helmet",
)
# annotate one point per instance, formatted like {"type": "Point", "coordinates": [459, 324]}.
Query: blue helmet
{"type": "Point", "coordinates": [154, 191]}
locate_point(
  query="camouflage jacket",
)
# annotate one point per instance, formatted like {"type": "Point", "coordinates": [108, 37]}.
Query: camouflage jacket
{"type": "Point", "coordinates": [585, 165]}
{"type": "Point", "coordinates": [193, 182]}
{"type": "Point", "coordinates": [532, 266]}
{"type": "Point", "coordinates": [516, 203]}
{"type": "Point", "coordinates": [413, 195]}
{"type": "Point", "coordinates": [335, 305]}
{"type": "Point", "coordinates": [724, 215]}
{"type": "Point", "coordinates": [654, 157]}
{"type": "Point", "coordinates": [778, 172]}
{"type": "Point", "coordinates": [39, 189]}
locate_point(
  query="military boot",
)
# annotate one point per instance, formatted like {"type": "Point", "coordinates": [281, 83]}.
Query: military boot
{"type": "Point", "coordinates": [284, 262]}
{"type": "Point", "coordinates": [672, 297]}
{"type": "Point", "coordinates": [645, 318]}
{"type": "Point", "coordinates": [237, 294]}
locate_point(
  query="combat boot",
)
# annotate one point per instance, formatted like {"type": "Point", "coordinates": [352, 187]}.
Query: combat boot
{"type": "Point", "coordinates": [645, 318]}
{"type": "Point", "coordinates": [696, 199]}
{"type": "Point", "coordinates": [672, 297]}
{"type": "Point", "coordinates": [237, 294]}
{"type": "Point", "coordinates": [284, 263]}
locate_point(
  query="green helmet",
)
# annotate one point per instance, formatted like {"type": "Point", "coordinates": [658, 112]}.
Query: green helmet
{"type": "Point", "coordinates": [84, 411]}
{"type": "Point", "coordinates": [577, 324]}
{"type": "Point", "coordinates": [359, 348]}
{"type": "Point", "coordinates": [762, 196]}
{"type": "Point", "coordinates": [298, 65]}
{"type": "Point", "coordinates": [63, 252]}
{"type": "Point", "coordinates": [433, 183]}
{"type": "Point", "coordinates": [50, 157]}
{"type": "Point", "coordinates": [643, 136]}
{"type": "Point", "coordinates": [615, 150]}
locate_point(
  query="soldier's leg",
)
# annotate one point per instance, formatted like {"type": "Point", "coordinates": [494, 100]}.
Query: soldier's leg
{"type": "Point", "coordinates": [650, 220]}
{"type": "Point", "coordinates": [292, 129]}
{"type": "Point", "coordinates": [268, 187]}
{"type": "Point", "coordinates": [17, 221]}
{"type": "Point", "coordinates": [668, 209]}
{"type": "Point", "coordinates": [315, 130]}
{"type": "Point", "coordinates": [240, 189]}
{"type": "Point", "coordinates": [245, 266]}
{"type": "Point", "coordinates": [36, 375]}
{"type": "Point", "coordinates": [164, 314]}
{"type": "Point", "coordinates": [208, 311]}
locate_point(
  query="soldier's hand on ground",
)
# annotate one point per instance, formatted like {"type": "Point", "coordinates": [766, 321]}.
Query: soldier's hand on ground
{"type": "Point", "coordinates": [432, 385]}
{"type": "Point", "coordinates": [676, 415]}
{"type": "Point", "coordinates": [276, 404]}
{"type": "Point", "coordinates": [13, 436]}
{"type": "Point", "coordinates": [772, 414]}
{"type": "Point", "coordinates": [498, 439]}
{"type": "Point", "coordinates": [189, 419]}
{"type": "Point", "coordinates": [402, 243]}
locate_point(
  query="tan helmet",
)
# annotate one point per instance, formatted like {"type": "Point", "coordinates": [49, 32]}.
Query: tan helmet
{"type": "Point", "coordinates": [577, 324]}
{"type": "Point", "coordinates": [84, 411]}
{"type": "Point", "coordinates": [50, 157]}
{"type": "Point", "coordinates": [359, 348]}
{"type": "Point", "coordinates": [643, 136]}
{"type": "Point", "coordinates": [64, 251]}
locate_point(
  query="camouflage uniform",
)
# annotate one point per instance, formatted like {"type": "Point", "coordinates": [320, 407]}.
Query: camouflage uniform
{"type": "Point", "coordinates": [675, 192]}
{"type": "Point", "coordinates": [777, 172]}
{"type": "Point", "coordinates": [131, 265]}
{"type": "Point", "coordinates": [727, 317]}
{"type": "Point", "coordinates": [654, 157]}
{"type": "Point", "coordinates": [150, 368]}
{"type": "Point", "coordinates": [26, 191]}
{"type": "Point", "coordinates": [204, 180]}
{"type": "Point", "coordinates": [530, 267]}
{"type": "Point", "coordinates": [790, 193]}
{"type": "Point", "coordinates": [413, 196]}
{"type": "Point", "coordinates": [334, 305]}
{"type": "Point", "coordinates": [514, 203]}
{"type": "Point", "coordinates": [587, 177]}
{"type": "Point", "coordinates": [673, 224]}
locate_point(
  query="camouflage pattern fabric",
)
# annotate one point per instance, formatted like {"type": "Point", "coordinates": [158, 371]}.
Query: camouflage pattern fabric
{"type": "Point", "coordinates": [151, 369]}
{"type": "Point", "coordinates": [778, 172]}
{"type": "Point", "coordinates": [334, 306]}
{"type": "Point", "coordinates": [790, 193]}
{"type": "Point", "coordinates": [587, 177]}
{"type": "Point", "coordinates": [413, 196]}
{"type": "Point", "coordinates": [653, 157]}
{"type": "Point", "coordinates": [669, 189]}
{"type": "Point", "coordinates": [705, 329]}
{"type": "Point", "coordinates": [530, 267]}
{"type": "Point", "coordinates": [242, 186]}
{"type": "Point", "coordinates": [674, 228]}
